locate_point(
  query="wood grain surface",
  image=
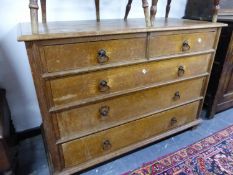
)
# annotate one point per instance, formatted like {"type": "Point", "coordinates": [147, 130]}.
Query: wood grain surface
{"type": "Point", "coordinates": [96, 79]}
{"type": "Point", "coordinates": [72, 29]}
{"type": "Point", "coordinates": [77, 88]}
{"type": "Point", "coordinates": [88, 119]}
{"type": "Point", "coordinates": [174, 44]}
{"type": "Point", "coordinates": [122, 136]}
{"type": "Point", "coordinates": [80, 55]}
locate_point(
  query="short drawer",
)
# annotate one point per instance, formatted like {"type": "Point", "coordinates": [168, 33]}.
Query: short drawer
{"type": "Point", "coordinates": [163, 45]}
{"type": "Point", "coordinates": [102, 115]}
{"type": "Point", "coordinates": [99, 144]}
{"type": "Point", "coordinates": [77, 88]}
{"type": "Point", "coordinates": [96, 53]}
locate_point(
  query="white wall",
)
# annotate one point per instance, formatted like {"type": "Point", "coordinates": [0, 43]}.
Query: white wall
{"type": "Point", "coordinates": [15, 75]}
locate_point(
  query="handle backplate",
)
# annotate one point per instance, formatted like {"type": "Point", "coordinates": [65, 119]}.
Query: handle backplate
{"type": "Point", "coordinates": [102, 56]}
{"type": "Point", "coordinates": [103, 86]}
{"type": "Point", "coordinates": [176, 95]}
{"type": "Point", "coordinates": [181, 71]}
{"type": "Point", "coordinates": [185, 46]}
{"type": "Point", "coordinates": [104, 111]}
{"type": "Point", "coordinates": [173, 121]}
{"type": "Point", "coordinates": [106, 145]}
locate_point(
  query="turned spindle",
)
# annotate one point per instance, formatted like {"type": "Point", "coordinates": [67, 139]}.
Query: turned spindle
{"type": "Point", "coordinates": [128, 7]}
{"type": "Point", "coordinates": [97, 10]}
{"type": "Point", "coordinates": [168, 7]}
{"type": "Point", "coordinates": [153, 11]}
{"type": "Point", "coordinates": [215, 10]}
{"type": "Point", "coordinates": [145, 6]}
{"type": "Point", "coordinates": [43, 10]}
{"type": "Point", "coordinates": [33, 5]}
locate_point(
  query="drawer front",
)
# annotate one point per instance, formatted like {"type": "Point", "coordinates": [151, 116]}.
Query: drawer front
{"type": "Point", "coordinates": [77, 88]}
{"type": "Point", "coordinates": [102, 143]}
{"type": "Point", "coordinates": [112, 112]}
{"type": "Point", "coordinates": [96, 53]}
{"type": "Point", "coordinates": [180, 43]}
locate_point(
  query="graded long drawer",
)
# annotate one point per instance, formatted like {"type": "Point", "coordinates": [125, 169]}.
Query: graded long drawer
{"type": "Point", "coordinates": [91, 118]}
{"type": "Point", "coordinates": [77, 88]}
{"type": "Point", "coordinates": [162, 44]}
{"type": "Point", "coordinates": [96, 53]}
{"type": "Point", "coordinates": [102, 143]}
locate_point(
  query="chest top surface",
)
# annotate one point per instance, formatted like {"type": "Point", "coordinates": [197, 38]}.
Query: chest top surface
{"type": "Point", "coordinates": [70, 29]}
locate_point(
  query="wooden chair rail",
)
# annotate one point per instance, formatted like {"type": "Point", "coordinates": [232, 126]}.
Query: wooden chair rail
{"type": "Point", "coordinates": [149, 18]}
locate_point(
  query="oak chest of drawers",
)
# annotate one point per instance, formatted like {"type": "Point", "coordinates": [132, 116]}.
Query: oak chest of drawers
{"type": "Point", "coordinates": [110, 87]}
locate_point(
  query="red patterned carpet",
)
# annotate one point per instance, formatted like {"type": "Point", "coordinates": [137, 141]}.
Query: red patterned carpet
{"type": "Point", "coordinates": [210, 156]}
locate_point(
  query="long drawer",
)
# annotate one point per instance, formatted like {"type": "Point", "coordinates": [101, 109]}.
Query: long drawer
{"type": "Point", "coordinates": [95, 53]}
{"type": "Point", "coordinates": [102, 143]}
{"type": "Point", "coordinates": [161, 45]}
{"type": "Point", "coordinates": [112, 112]}
{"type": "Point", "coordinates": [77, 88]}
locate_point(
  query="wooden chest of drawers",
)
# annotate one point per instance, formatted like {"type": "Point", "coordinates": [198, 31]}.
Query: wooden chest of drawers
{"type": "Point", "coordinates": [110, 87]}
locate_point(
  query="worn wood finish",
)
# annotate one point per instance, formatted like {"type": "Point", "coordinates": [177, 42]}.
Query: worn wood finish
{"type": "Point", "coordinates": [72, 72]}
{"type": "Point", "coordinates": [143, 85]}
{"type": "Point", "coordinates": [79, 55]}
{"type": "Point", "coordinates": [72, 29]}
{"type": "Point", "coordinates": [48, 124]}
{"type": "Point", "coordinates": [175, 44]}
{"type": "Point", "coordinates": [119, 137]}
{"type": "Point", "coordinates": [77, 88]}
{"type": "Point", "coordinates": [205, 86]}
{"type": "Point", "coordinates": [90, 118]}
{"type": "Point", "coordinates": [124, 150]}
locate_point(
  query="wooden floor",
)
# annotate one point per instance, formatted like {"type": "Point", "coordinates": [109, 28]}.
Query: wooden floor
{"type": "Point", "coordinates": [32, 158]}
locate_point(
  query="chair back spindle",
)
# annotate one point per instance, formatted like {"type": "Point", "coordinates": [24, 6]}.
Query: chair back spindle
{"type": "Point", "coordinates": [145, 6]}
{"type": "Point", "coordinates": [215, 10]}
{"type": "Point", "coordinates": [149, 17]}
{"type": "Point", "coordinates": [43, 10]}
{"type": "Point", "coordinates": [97, 10]}
{"type": "Point", "coordinates": [33, 5]}
{"type": "Point", "coordinates": [153, 11]}
{"type": "Point", "coordinates": [127, 9]}
{"type": "Point", "coordinates": [168, 7]}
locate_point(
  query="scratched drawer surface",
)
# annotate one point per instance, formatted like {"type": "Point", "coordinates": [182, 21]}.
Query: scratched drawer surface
{"type": "Point", "coordinates": [180, 43]}
{"type": "Point", "coordinates": [94, 117]}
{"type": "Point", "coordinates": [102, 143]}
{"type": "Point", "coordinates": [100, 83]}
{"type": "Point", "coordinates": [95, 53]}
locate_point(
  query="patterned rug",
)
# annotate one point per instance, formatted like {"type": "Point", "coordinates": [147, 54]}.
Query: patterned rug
{"type": "Point", "coordinates": [210, 156]}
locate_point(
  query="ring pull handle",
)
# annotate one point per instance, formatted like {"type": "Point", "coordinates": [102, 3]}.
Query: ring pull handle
{"type": "Point", "coordinates": [103, 86]}
{"type": "Point", "coordinates": [185, 46]}
{"type": "Point", "coordinates": [104, 111]}
{"type": "Point", "coordinates": [176, 95]}
{"type": "Point", "coordinates": [181, 71]}
{"type": "Point", "coordinates": [173, 121]}
{"type": "Point", "coordinates": [106, 145]}
{"type": "Point", "coordinates": [102, 56]}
